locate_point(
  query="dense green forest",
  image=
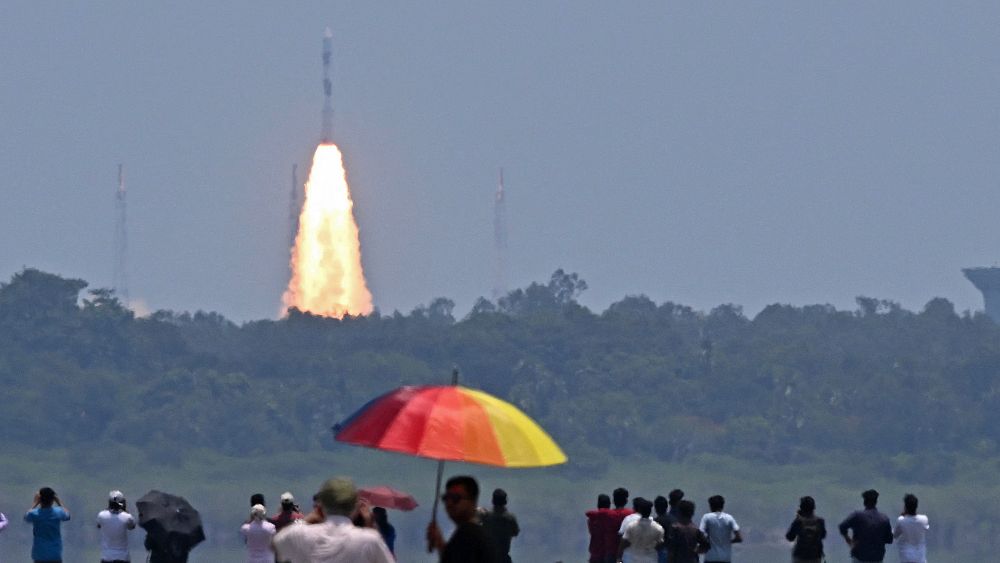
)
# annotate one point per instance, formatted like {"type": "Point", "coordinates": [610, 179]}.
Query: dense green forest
{"type": "Point", "coordinates": [909, 391]}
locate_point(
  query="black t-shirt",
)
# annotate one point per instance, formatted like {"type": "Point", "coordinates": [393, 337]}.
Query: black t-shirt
{"type": "Point", "coordinates": [808, 533]}
{"type": "Point", "coordinates": [665, 521]}
{"type": "Point", "coordinates": [501, 526]}
{"type": "Point", "coordinates": [684, 543]}
{"type": "Point", "coordinates": [469, 544]}
{"type": "Point", "coordinates": [872, 532]}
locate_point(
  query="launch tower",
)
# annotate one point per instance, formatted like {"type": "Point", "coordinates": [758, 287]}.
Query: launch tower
{"type": "Point", "coordinates": [120, 274]}
{"type": "Point", "coordinates": [987, 280]}
{"type": "Point", "coordinates": [500, 241]}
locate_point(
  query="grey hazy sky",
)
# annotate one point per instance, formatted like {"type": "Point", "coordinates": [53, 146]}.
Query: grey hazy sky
{"type": "Point", "coordinates": [703, 152]}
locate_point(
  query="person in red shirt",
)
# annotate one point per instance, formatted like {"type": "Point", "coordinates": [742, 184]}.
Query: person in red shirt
{"type": "Point", "coordinates": [598, 523]}
{"type": "Point", "coordinates": [289, 512]}
{"type": "Point", "coordinates": [615, 517]}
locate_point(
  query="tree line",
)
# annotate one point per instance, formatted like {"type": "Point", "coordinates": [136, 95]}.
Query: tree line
{"type": "Point", "coordinates": [660, 381]}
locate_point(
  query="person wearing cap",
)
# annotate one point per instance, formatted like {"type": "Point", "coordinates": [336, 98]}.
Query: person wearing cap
{"type": "Point", "coordinates": [257, 533]}
{"type": "Point", "coordinates": [288, 514]}
{"type": "Point", "coordinates": [46, 517]}
{"type": "Point", "coordinates": [501, 525]}
{"type": "Point", "coordinates": [114, 523]}
{"type": "Point", "coordinates": [869, 529]}
{"type": "Point", "coordinates": [336, 539]}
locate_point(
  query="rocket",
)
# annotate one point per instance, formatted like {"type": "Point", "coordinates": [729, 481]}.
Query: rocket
{"type": "Point", "coordinates": [327, 134]}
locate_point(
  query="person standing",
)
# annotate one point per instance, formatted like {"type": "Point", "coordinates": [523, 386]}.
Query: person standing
{"type": "Point", "coordinates": [387, 530]}
{"type": "Point", "coordinates": [617, 515]}
{"type": "Point", "coordinates": [46, 517]}
{"type": "Point", "coordinates": [626, 522]}
{"type": "Point", "coordinates": [288, 514]}
{"type": "Point", "coordinates": [469, 542]}
{"type": "Point", "coordinates": [808, 532]}
{"type": "Point", "coordinates": [501, 525]}
{"type": "Point", "coordinates": [336, 539]}
{"type": "Point", "coordinates": [869, 531]}
{"type": "Point", "coordinates": [665, 520]}
{"type": "Point", "coordinates": [643, 536]}
{"type": "Point", "coordinates": [598, 524]}
{"type": "Point", "coordinates": [115, 523]}
{"type": "Point", "coordinates": [684, 540]}
{"type": "Point", "coordinates": [722, 531]}
{"type": "Point", "coordinates": [911, 532]}
{"type": "Point", "coordinates": [675, 497]}
{"type": "Point", "coordinates": [257, 534]}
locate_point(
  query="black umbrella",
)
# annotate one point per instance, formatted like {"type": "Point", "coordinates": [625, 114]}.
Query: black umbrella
{"type": "Point", "coordinates": [172, 525]}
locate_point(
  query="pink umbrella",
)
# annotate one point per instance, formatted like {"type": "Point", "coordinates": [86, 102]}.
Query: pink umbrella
{"type": "Point", "coordinates": [387, 497]}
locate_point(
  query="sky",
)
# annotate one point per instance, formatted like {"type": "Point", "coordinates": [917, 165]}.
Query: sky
{"type": "Point", "coordinates": [746, 152]}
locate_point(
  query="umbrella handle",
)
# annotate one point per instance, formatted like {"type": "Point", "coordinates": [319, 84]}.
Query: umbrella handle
{"type": "Point", "coordinates": [437, 497]}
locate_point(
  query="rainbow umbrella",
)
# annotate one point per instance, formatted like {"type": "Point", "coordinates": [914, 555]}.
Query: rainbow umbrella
{"type": "Point", "coordinates": [450, 423]}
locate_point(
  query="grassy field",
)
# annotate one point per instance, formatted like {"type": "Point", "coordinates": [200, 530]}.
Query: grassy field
{"type": "Point", "coordinates": [548, 502]}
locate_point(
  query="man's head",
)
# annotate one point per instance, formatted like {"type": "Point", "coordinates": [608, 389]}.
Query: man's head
{"type": "Point", "coordinates": [461, 498]}
{"type": "Point", "coordinates": [686, 510]}
{"type": "Point", "coordinates": [499, 498]}
{"type": "Point", "coordinates": [910, 504]}
{"type": "Point", "coordinates": [378, 513]}
{"type": "Point", "coordinates": [870, 498]}
{"type": "Point", "coordinates": [807, 505]}
{"type": "Point", "coordinates": [46, 496]}
{"type": "Point", "coordinates": [116, 500]}
{"type": "Point", "coordinates": [643, 507]}
{"type": "Point", "coordinates": [620, 495]}
{"type": "Point", "coordinates": [337, 496]}
{"type": "Point", "coordinates": [660, 504]}
{"type": "Point", "coordinates": [603, 501]}
{"type": "Point", "coordinates": [716, 503]}
{"type": "Point", "coordinates": [257, 498]}
{"type": "Point", "coordinates": [287, 501]}
{"type": "Point", "coordinates": [675, 496]}
{"type": "Point", "coordinates": [635, 503]}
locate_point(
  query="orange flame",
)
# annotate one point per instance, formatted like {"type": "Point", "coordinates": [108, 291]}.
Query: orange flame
{"type": "Point", "coordinates": [327, 278]}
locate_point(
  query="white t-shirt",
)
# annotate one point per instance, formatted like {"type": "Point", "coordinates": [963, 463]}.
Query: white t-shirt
{"type": "Point", "coordinates": [719, 528]}
{"type": "Point", "coordinates": [911, 538]}
{"type": "Point", "coordinates": [335, 541]}
{"type": "Point", "coordinates": [643, 535]}
{"type": "Point", "coordinates": [114, 534]}
{"type": "Point", "coordinates": [258, 536]}
{"type": "Point", "coordinates": [626, 522]}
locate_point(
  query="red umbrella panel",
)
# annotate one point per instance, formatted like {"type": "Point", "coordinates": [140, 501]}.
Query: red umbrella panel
{"type": "Point", "coordinates": [387, 497]}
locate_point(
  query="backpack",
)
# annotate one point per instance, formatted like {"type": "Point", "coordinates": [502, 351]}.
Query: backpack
{"type": "Point", "coordinates": [810, 540]}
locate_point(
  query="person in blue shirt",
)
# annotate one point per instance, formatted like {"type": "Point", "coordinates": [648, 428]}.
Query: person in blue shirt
{"type": "Point", "coordinates": [46, 520]}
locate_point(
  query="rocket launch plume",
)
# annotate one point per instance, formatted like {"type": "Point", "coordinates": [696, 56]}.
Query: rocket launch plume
{"type": "Point", "coordinates": [327, 278]}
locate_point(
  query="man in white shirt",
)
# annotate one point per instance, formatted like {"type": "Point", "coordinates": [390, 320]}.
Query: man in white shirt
{"type": "Point", "coordinates": [114, 523]}
{"type": "Point", "coordinates": [911, 533]}
{"type": "Point", "coordinates": [722, 531]}
{"type": "Point", "coordinates": [628, 521]}
{"type": "Point", "coordinates": [642, 536]}
{"type": "Point", "coordinates": [336, 540]}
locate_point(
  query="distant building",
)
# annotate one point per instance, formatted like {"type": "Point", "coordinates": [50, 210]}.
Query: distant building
{"type": "Point", "coordinates": [987, 280]}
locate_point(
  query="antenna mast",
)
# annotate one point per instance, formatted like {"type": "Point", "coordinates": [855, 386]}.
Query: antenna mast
{"type": "Point", "coordinates": [120, 275]}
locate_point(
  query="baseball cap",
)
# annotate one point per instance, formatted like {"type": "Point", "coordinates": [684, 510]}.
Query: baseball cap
{"type": "Point", "coordinates": [116, 496]}
{"type": "Point", "coordinates": [287, 497]}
